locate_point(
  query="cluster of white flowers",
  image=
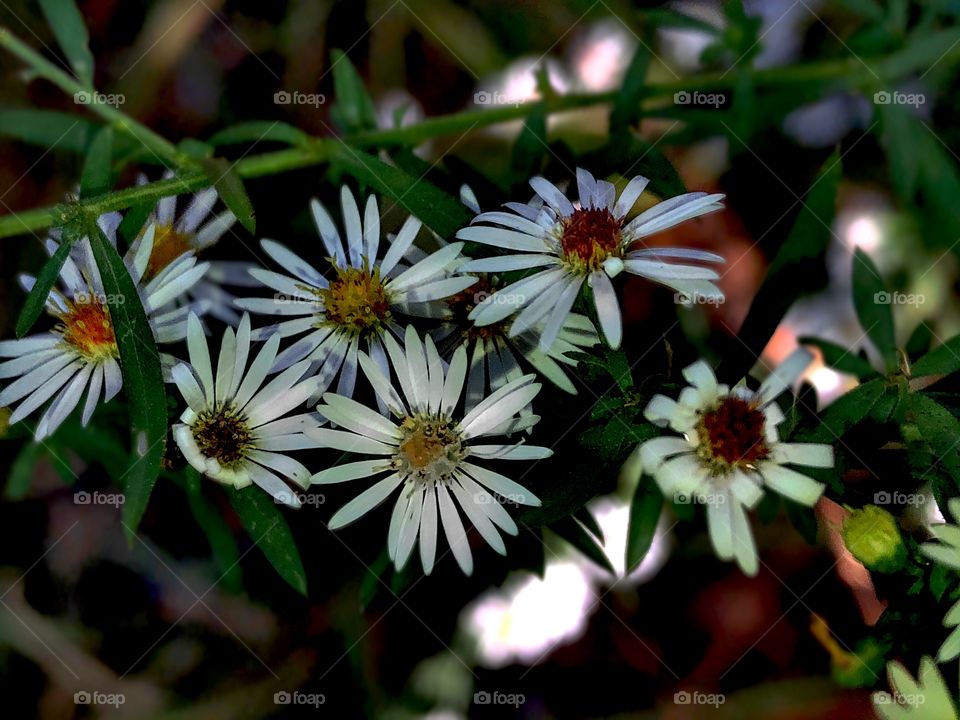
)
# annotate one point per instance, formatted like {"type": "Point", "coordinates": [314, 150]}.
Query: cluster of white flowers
{"type": "Point", "coordinates": [250, 408]}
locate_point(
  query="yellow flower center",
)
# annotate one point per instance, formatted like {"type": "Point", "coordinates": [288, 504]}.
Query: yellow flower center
{"type": "Point", "coordinates": [168, 245]}
{"type": "Point", "coordinates": [356, 300]}
{"type": "Point", "coordinates": [731, 436]}
{"type": "Point", "coordinates": [588, 238]}
{"type": "Point", "coordinates": [87, 327]}
{"type": "Point", "coordinates": [223, 434]}
{"type": "Point", "coordinates": [430, 448]}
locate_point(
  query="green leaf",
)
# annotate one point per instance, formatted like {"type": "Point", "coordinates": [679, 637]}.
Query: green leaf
{"type": "Point", "coordinates": [48, 129]}
{"type": "Point", "coordinates": [626, 108]}
{"type": "Point", "coordinates": [262, 518]}
{"type": "Point", "coordinates": [841, 358]}
{"type": "Point", "coordinates": [645, 511]}
{"type": "Point", "coordinates": [942, 360]}
{"type": "Point", "coordinates": [845, 412]}
{"type": "Point", "coordinates": [22, 470]}
{"type": "Point", "coordinates": [872, 303]}
{"type": "Point", "coordinates": [67, 24]}
{"type": "Point", "coordinates": [196, 149]}
{"type": "Point", "coordinates": [919, 341]}
{"type": "Point", "coordinates": [352, 110]}
{"type": "Point", "coordinates": [96, 177]}
{"type": "Point", "coordinates": [133, 221]}
{"type": "Point", "coordinates": [575, 534]}
{"type": "Point", "coordinates": [219, 536]}
{"type": "Point", "coordinates": [46, 279]}
{"type": "Point", "coordinates": [261, 131]}
{"type": "Point", "coordinates": [797, 263]}
{"type": "Point", "coordinates": [439, 211]}
{"type": "Point", "coordinates": [373, 583]}
{"type": "Point", "coordinates": [231, 190]}
{"type": "Point", "coordinates": [941, 430]}
{"type": "Point", "coordinates": [142, 377]}
{"type": "Point", "coordinates": [531, 144]}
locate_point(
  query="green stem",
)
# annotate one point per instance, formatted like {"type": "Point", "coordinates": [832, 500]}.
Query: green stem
{"type": "Point", "coordinates": [42, 67]}
{"type": "Point", "coordinates": [938, 49]}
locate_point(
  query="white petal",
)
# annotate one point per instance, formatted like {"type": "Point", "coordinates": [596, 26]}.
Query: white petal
{"type": "Point", "coordinates": [552, 196]}
{"type": "Point", "coordinates": [365, 502]}
{"type": "Point", "coordinates": [200, 356]}
{"type": "Point", "coordinates": [453, 528]}
{"type": "Point", "coordinates": [785, 374]}
{"type": "Point", "coordinates": [628, 198]}
{"type": "Point", "coordinates": [506, 263]}
{"type": "Point", "coordinates": [501, 484]}
{"type": "Point", "coordinates": [328, 232]}
{"type": "Point", "coordinates": [401, 243]}
{"type": "Point", "coordinates": [507, 239]}
{"type": "Point", "coordinates": [360, 419]}
{"type": "Point", "coordinates": [351, 223]}
{"type": "Point", "coordinates": [349, 442]}
{"type": "Point", "coordinates": [608, 309]}
{"type": "Point", "coordinates": [791, 484]}
{"type": "Point", "coordinates": [428, 530]}
{"type": "Point", "coordinates": [350, 471]}
{"type": "Point", "coordinates": [810, 454]}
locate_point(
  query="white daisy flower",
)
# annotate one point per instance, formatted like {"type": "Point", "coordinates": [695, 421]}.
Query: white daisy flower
{"type": "Point", "coordinates": [194, 230]}
{"type": "Point", "coordinates": [361, 302]}
{"type": "Point", "coordinates": [494, 354]}
{"type": "Point", "coordinates": [81, 351]}
{"type": "Point", "coordinates": [729, 451]}
{"type": "Point", "coordinates": [428, 452]}
{"type": "Point", "coordinates": [235, 429]}
{"type": "Point", "coordinates": [947, 553]}
{"type": "Point", "coordinates": [591, 242]}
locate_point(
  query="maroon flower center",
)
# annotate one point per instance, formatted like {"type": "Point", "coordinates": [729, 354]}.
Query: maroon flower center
{"type": "Point", "coordinates": [590, 237]}
{"type": "Point", "coordinates": [731, 434]}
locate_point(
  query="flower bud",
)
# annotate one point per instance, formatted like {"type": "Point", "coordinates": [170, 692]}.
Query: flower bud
{"type": "Point", "coordinates": [871, 534]}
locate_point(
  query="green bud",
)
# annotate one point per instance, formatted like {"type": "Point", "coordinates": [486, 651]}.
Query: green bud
{"type": "Point", "coordinates": [871, 534]}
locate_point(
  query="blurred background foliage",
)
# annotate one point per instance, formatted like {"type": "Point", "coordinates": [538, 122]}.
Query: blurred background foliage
{"type": "Point", "coordinates": [797, 120]}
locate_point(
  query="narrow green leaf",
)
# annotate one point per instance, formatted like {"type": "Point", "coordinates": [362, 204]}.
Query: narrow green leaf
{"type": "Point", "coordinates": [270, 532]}
{"type": "Point", "coordinates": [626, 108]}
{"type": "Point", "coordinates": [133, 221]}
{"type": "Point", "coordinates": [196, 149]}
{"type": "Point", "coordinates": [231, 190]}
{"type": "Point", "coordinates": [840, 358]}
{"type": "Point", "coordinates": [96, 177]}
{"type": "Point", "coordinates": [142, 377]}
{"type": "Point", "coordinates": [575, 534]}
{"type": "Point", "coordinates": [941, 430]}
{"type": "Point", "coordinates": [845, 412]}
{"type": "Point", "coordinates": [644, 514]}
{"type": "Point", "coordinates": [223, 546]}
{"type": "Point", "coordinates": [46, 279]}
{"type": "Point", "coordinates": [260, 131]}
{"type": "Point", "coordinates": [439, 211]}
{"type": "Point", "coordinates": [373, 582]}
{"type": "Point", "coordinates": [872, 303]}
{"type": "Point", "coordinates": [67, 24]}
{"type": "Point", "coordinates": [918, 344]}
{"type": "Point", "coordinates": [352, 109]}
{"type": "Point", "coordinates": [795, 269]}
{"type": "Point", "coordinates": [22, 470]}
{"type": "Point", "coordinates": [942, 360]}
{"type": "Point", "coordinates": [531, 144]}
{"type": "Point", "coordinates": [48, 129]}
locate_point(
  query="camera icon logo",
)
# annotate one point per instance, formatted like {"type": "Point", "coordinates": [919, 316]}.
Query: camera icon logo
{"type": "Point", "coordinates": [81, 697]}
{"type": "Point", "coordinates": [881, 298]}
{"type": "Point", "coordinates": [482, 97]}
{"type": "Point", "coordinates": [83, 97]}
{"type": "Point", "coordinates": [881, 97]}
{"type": "Point", "coordinates": [681, 498]}
{"type": "Point", "coordinates": [81, 498]}
{"type": "Point", "coordinates": [481, 698]}
{"type": "Point", "coordinates": [882, 498]}
{"type": "Point", "coordinates": [282, 697]}
{"type": "Point", "coordinates": [681, 698]}
{"type": "Point", "coordinates": [282, 97]}
{"type": "Point", "coordinates": [682, 98]}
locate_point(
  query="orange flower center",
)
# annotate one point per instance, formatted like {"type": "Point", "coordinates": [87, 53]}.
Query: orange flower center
{"type": "Point", "coordinates": [356, 300]}
{"type": "Point", "coordinates": [731, 435]}
{"type": "Point", "coordinates": [168, 245]}
{"type": "Point", "coordinates": [430, 448]}
{"type": "Point", "coordinates": [590, 237]}
{"type": "Point", "coordinates": [87, 327]}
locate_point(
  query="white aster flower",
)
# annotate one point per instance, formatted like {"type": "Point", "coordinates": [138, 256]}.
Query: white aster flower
{"type": "Point", "coordinates": [235, 429]}
{"type": "Point", "coordinates": [428, 452]}
{"type": "Point", "coordinates": [926, 698]}
{"type": "Point", "coordinates": [494, 354]}
{"type": "Point", "coordinates": [947, 553]}
{"type": "Point", "coordinates": [361, 302]}
{"type": "Point", "coordinates": [591, 242]}
{"type": "Point", "coordinates": [729, 451]}
{"type": "Point", "coordinates": [195, 231]}
{"type": "Point", "coordinates": [81, 351]}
